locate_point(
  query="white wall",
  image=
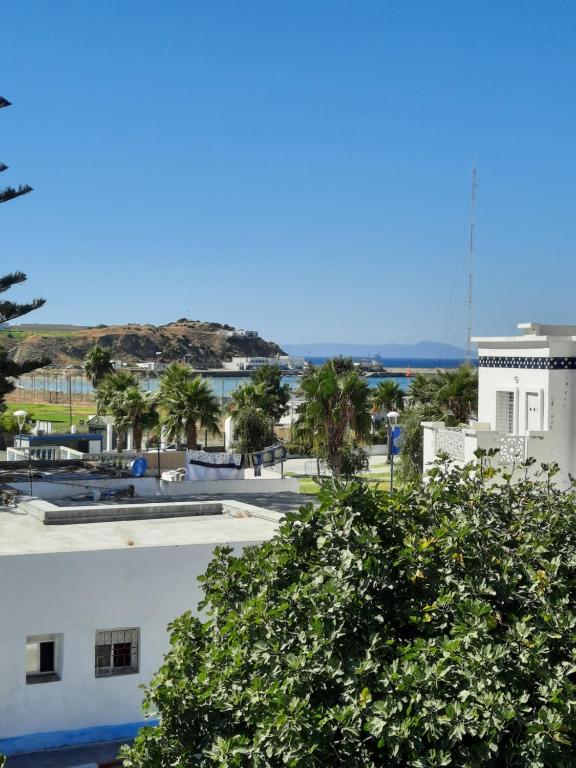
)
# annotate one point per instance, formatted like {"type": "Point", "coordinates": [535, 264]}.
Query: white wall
{"type": "Point", "coordinates": [148, 486]}
{"type": "Point", "coordinates": [76, 594]}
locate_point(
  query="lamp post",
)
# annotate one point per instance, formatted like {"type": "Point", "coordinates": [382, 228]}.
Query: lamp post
{"type": "Point", "coordinates": [392, 417]}
{"type": "Point", "coordinates": [20, 418]}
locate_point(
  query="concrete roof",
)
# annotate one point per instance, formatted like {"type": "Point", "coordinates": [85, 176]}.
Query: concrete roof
{"type": "Point", "coordinates": [531, 333]}
{"type": "Point", "coordinates": [21, 533]}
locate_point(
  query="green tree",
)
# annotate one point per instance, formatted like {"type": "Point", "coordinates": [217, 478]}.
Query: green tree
{"type": "Point", "coordinates": [336, 401]}
{"type": "Point", "coordinates": [456, 393]}
{"type": "Point", "coordinates": [111, 385]}
{"type": "Point", "coordinates": [9, 193]}
{"type": "Point", "coordinates": [421, 390]}
{"type": "Point", "coordinates": [253, 430]}
{"type": "Point", "coordinates": [412, 450]}
{"type": "Point", "coordinates": [133, 409]}
{"type": "Point", "coordinates": [278, 394]}
{"type": "Point", "coordinates": [450, 396]}
{"type": "Point", "coordinates": [453, 393]}
{"type": "Point", "coordinates": [187, 403]}
{"type": "Point", "coordinates": [251, 396]}
{"type": "Point", "coordinates": [430, 627]}
{"type": "Point", "coordinates": [388, 396]}
{"type": "Point", "coordinates": [9, 310]}
{"type": "Point", "coordinates": [97, 364]}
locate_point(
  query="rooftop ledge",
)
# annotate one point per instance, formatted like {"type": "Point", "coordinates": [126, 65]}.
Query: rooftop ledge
{"type": "Point", "coordinates": [533, 332]}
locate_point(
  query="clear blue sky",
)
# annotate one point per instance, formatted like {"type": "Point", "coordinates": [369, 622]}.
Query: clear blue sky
{"type": "Point", "coordinates": [299, 167]}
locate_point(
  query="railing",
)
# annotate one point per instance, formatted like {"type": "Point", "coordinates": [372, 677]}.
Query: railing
{"type": "Point", "coordinates": [450, 440]}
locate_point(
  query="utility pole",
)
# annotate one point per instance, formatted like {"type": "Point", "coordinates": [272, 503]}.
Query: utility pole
{"type": "Point", "coordinates": [471, 265]}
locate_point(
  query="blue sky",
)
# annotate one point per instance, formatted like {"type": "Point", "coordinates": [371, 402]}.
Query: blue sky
{"type": "Point", "coordinates": [299, 167]}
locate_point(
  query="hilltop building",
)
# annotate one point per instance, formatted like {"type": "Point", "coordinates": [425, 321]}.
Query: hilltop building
{"type": "Point", "coordinates": [526, 401]}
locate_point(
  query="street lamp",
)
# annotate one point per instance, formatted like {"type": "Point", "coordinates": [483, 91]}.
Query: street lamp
{"type": "Point", "coordinates": [21, 418]}
{"type": "Point", "coordinates": [392, 417]}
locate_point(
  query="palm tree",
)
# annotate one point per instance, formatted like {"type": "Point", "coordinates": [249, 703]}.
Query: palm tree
{"type": "Point", "coordinates": [388, 396]}
{"type": "Point", "coordinates": [133, 409]}
{"type": "Point", "coordinates": [422, 389]}
{"type": "Point", "coordinates": [97, 364]}
{"type": "Point", "coordinates": [336, 401]}
{"type": "Point", "coordinates": [251, 396]}
{"type": "Point", "coordinates": [186, 404]}
{"type": "Point", "coordinates": [112, 384]}
{"type": "Point", "coordinates": [457, 393]}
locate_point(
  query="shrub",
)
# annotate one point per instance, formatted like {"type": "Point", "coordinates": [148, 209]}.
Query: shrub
{"type": "Point", "coordinates": [431, 627]}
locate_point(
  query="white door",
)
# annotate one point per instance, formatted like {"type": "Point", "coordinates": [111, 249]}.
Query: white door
{"type": "Point", "coordinates": [533, 419]}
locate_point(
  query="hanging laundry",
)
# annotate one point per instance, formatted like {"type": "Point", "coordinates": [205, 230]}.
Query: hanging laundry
{"type": "Point", "coordinates": [202, 465]}
{"type": "Point", "coordinates": [208, 459]}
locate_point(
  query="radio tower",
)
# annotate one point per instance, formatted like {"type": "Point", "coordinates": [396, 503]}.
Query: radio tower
{"type": "Point", "coordinates": [471, 266]}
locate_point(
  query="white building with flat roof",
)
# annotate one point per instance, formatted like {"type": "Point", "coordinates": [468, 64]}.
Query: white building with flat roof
{"type": "Point", "coordinates": [85, 607]}
{"type": "Point", "coordinates": [526, 401]}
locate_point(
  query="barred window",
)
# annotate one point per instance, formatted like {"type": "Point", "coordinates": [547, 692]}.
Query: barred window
{"type": "Point", "coordinates": [117, 652]}
{"type": "Point", "coordinates": [505, 412]}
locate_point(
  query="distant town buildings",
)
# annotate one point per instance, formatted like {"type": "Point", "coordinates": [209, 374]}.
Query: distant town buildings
{"type": "Point", "coordinates": [238, 332]}
{"type": "Point", "coordinates": [284, 362]}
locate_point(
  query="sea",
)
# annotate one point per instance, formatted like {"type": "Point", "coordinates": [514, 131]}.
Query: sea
{"type": "Point", "coordinates": [224, 386]}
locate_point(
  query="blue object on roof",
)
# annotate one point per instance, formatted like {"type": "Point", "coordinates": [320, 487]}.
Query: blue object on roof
{"type": "Point", "coordinates": [139, 467]}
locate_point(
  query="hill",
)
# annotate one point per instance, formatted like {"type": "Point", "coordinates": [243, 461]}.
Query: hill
{"type": "Point", "coordinates": [419, 351]}
{"type": "Point", "coordinates": [202, 344]}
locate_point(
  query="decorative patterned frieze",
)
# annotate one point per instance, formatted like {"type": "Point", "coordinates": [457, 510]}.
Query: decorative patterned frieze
{"type": "Point", "coordinates": [512, 449]}
{"type": "Point", "coordinates": [534, 363]}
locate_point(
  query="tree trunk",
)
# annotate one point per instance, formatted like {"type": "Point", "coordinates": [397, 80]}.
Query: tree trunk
{"type": "Point", "coordinates": [137, 436]}
{"type": "Point", "coordinates": [191, 436]}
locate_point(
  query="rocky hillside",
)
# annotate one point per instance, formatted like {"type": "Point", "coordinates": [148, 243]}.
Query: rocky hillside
{"type": "Point", "coordinates": [203, 345]}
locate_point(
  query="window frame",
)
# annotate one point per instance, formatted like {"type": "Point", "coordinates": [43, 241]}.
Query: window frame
{"type": "Point", "coordinates": [512, 417]}
{"type": "Point", "coordinates": [45, 676]}
{"type": "Point", "coordinates": [111, 640]}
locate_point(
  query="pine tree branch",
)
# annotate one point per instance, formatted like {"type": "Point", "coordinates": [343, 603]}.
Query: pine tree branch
{"type": "Point", "coordinates": [4, 102]}
{"type": "Point", "coordinates": [12, 278]}
{"type": "Point", "coordinates": [11, 369]}
{"type": "Point", "coordinates": [9, 310]}
{"type": "Point", "coordinates": [3, 167]}
{"type": "Point", "coordinates": [9, 193]}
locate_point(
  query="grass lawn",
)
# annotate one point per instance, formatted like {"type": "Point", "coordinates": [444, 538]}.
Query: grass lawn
{"type": "Point", "coordinates": [379, 479]}
{"type": "Point", "coordinates": [57, 412]}
{"type": "Point", "coordinates": [19, 335]}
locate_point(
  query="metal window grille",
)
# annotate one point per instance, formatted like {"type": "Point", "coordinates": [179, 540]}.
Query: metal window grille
{"type": "Point", "coordinates": [117, 652]}
{"type": "Point", "coordinates": [505, 412]}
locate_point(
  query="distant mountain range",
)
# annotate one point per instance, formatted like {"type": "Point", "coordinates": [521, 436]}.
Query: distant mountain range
{"type": "Point", "coordinates": [420, 350]}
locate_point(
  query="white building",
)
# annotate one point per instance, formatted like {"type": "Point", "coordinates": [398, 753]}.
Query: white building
{"type": "Point", "coordinates": [526, 401]}
{"type": "Point", "coordinates": [85, 605]}
{"type": "Point", "coordinates": [284, 362]}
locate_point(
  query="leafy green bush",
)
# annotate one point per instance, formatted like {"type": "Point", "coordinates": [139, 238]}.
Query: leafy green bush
{"type": "Point", "coordinates": [432, 627]}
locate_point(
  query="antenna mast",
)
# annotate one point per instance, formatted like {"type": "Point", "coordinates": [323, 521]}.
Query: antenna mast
{"type": "Point", "coordinates": [471, 265]}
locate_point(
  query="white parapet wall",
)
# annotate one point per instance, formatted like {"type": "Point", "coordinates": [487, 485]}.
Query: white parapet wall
{"type": "Point", "coordinates": [150, 486]}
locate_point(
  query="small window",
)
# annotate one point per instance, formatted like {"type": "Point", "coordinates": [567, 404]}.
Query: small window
{"type": "Point", "coordinates": [43, 658]}
{"type": "Point", "coordinates": [117, 652]}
